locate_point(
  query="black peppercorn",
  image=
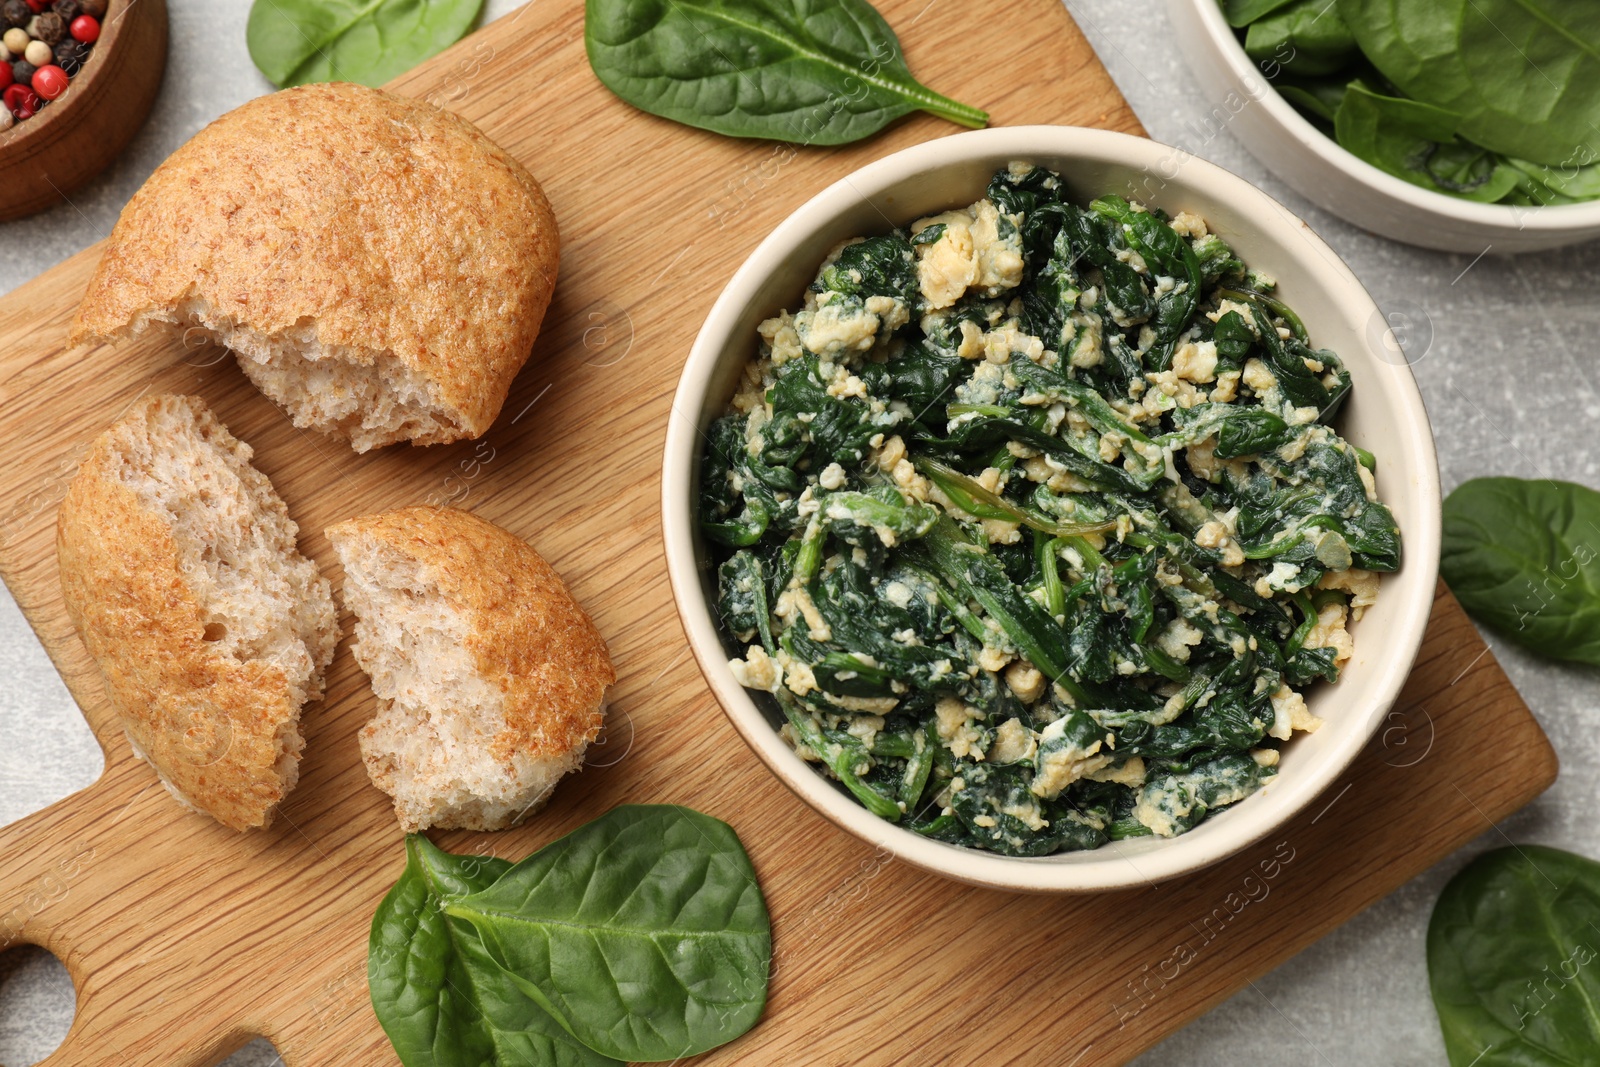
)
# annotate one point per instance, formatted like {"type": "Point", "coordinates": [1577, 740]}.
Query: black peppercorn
{"type": "Point", "coordinates": [69, 55]}
{"type": "Point", "coordinates": [49, 28]}
{"type": "Point", "coordinates": [22, 72]}
{"type": "Point", "coordinates": [15, 13]}
{"type": "Point", "coordinates": [93, 8]}
{"type": "Point", "coordinates": [67, 9]}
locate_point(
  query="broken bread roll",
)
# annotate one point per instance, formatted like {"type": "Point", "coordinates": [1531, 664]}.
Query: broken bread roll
{"type": "Point", "coordinates": [180, 570]}
{"type": "Point", "coordinates": [379, 267]}
{"type": "Point", "coordinates": [489, 676]}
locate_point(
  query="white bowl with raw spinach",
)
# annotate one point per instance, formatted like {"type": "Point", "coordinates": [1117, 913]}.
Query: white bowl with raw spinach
{"type": "Point", "coordinates": [1383, 416]}
{"type": "Point", "coordinates": [1240, 98]}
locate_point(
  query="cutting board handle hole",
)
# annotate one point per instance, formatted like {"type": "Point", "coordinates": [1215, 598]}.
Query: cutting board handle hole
{"type": "Point", "coordinates": [37, 1003]}
{"type": "Point", "coordinates": [258, 1053]}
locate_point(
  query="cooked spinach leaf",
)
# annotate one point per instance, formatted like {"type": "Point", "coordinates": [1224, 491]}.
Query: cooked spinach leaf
{"type": "Point", "coordinates": [1069, 526]}
{"type": "Point", "coordinates": [1512, 959]}
{"type": "Point", "coordinates": [819, 72]}
{"type": "Point", "coordinates": [440, 998]}
{"type": "Point", "coordinates": [644, 932]}
{"type": "Point", "coordinates": [367, 41]}
{"type": "Point", "coordinates": [1523, 557]}
{"type": "Point", "coordinates": [1169, 256]}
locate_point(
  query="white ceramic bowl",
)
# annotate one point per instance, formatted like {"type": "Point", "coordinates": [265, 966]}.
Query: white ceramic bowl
{"type": "Point", "coordinates": [1240, 98]}
{"type": "Point", "coordinates": [1384, 414]}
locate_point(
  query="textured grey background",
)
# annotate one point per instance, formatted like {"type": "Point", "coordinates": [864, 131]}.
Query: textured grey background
{"type": "Point", "coordinates": [1504, 350]}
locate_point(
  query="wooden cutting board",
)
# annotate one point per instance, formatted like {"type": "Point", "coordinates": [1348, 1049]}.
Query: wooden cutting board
{"type": "Point", "coordinates": [185, 939]}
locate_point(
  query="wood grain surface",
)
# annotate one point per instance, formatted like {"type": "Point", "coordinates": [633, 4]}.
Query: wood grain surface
{"type": "Point", "coordinates": [185, 939]}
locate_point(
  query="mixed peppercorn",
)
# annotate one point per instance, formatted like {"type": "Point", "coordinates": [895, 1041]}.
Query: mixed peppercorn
{"type": "Point", "coordinates": [43, 46]}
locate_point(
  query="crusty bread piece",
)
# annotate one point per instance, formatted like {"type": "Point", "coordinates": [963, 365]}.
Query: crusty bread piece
{"type": "Point", "coordinates": [489, 676]}
{"type": "Point", "coordinates": [378, 265]}
{"type": "Point", "coordinates": [180, 571]}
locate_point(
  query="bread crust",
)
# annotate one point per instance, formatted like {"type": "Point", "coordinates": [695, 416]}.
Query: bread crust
{"type": "Point", "coordinates": [211, 726]}
{"type": "Point", "coordinates": [528, 635]}
{"type": "Point", "coordinates": [387, 224]}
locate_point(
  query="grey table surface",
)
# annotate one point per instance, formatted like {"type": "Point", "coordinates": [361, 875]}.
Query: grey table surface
{"type": "Point", "coordinates": [1504, 351]}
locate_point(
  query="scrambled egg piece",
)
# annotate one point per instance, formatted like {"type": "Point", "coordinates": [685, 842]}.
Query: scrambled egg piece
{"type": "Point", "coordinates": [1013, 743]}
{"type": "Point", "coordinates": [1329, 632]}
{"type": "Point", "coordinates": [955, 724]}
{"type": "Point", "coordinates": [1361, 585]}
{"type": "Point", "coordinates": [757, 670]}
{"type": "Point", "coordinates": [1025, 680]}
{"type": "Point", "coordinates": [1289, 713]}
{"type": "Point", "coordinates": [1130, 773]}
{"type": "Point", "coordinates": [1061, 764]}
{"type": "Point", "coordinates": [971, 253]}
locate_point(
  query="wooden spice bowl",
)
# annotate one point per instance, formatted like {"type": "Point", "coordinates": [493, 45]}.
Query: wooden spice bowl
{"type": "Point", "coordinates": [45, 158]}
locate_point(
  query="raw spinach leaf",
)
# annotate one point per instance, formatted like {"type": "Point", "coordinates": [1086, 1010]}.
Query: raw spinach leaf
{"type": "Point", "coordinates": [1523, 75]}
{"type": "Point", "coordinates": [819, 72]}
{"type": "Point", "coordinates": [1571, 181]}
{"type": "Point", "coordinates": [1416, 142]}
{"type": "Point", "coordinates": [1319, 98]}
{"type": "Point", "coordinates": [644, 932]}
{"type": "Point", "coordinates": [1521, 556]}
{"type": "Point", "coordinates": [1244, 12]}
{"type": "Point", "coordinates": [1309, 33]}
{"type": "Point", "coordinates": [440, 998]}
{"type": "Point", "coordinates": [1512, 950]}
{"type": "Point", "coordinates": [367, 41]}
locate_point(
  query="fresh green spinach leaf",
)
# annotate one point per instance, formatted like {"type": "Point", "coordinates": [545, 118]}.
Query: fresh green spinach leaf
{"type": "Point", "coordinates": [819, 72]}
{"type": "Point", "coordinates": [1512, 959]}
{"type": "Point", "coordinates": [1570, 182]}
{"type": "Point", "coordinates": [440, 998]}
{"type": "Point", "coordinates": [1317, 97]}
{"type": "Point", "coordinates": [1306, 38]}
{"type": "Point", "coordinates": [367, 41]}
{"type": "Point", "coordinates": [1416, 142]}
{"type": "Point", "coordinates": [1524, 558]}
{"type": "Point", "coordinates": [1496, 101]}
{"type": "Point", "coordinates": [1243, 12]}
{"type": "Point", "coordinates": [1523, 75]}
{"type": "Point", "coordinates": [644, 932]}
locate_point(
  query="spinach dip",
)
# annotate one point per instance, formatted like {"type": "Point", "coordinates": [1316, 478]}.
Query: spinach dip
{"type": "Point", "coordinates": [1032, 522]}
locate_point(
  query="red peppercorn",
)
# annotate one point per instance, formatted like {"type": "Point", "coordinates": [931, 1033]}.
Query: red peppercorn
{"type": "Point", "coordinates": [50, 81]}
{"type": "Point", "coordinates": [22, 100]}
{"type": "Point", "coordinates": [5, 75]}
{"type": "Point", "coordinates": [38, 6]}
{"type": "Point", "coordinates": [85, 28]}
